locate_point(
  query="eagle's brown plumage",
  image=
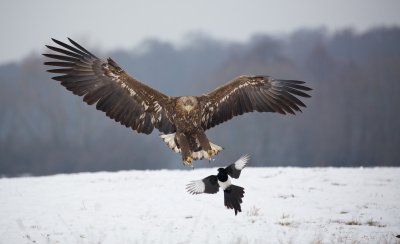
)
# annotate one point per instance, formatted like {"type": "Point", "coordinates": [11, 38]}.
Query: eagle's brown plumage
{"type": "Point", "coordinates": [182, 120]}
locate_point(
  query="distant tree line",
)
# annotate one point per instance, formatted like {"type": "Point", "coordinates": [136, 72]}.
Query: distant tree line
{"type": "Point", "coordinates": [352, 118]}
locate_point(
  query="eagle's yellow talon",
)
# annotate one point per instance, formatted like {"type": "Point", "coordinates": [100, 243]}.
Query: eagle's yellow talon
{"type": "Point", "coordinates": [189, 160]}
{"type": "Point", "coordinates": [210, 153]}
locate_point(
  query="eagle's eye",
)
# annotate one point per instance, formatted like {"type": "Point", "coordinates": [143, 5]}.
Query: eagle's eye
{"type": "Point", "coordinates": [189, 102]}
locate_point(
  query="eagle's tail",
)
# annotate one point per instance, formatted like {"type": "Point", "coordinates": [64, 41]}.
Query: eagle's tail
{"type": "Point", "coordinates": [169, 139]}
{"type": "Point", "coordinates": [233, 197]}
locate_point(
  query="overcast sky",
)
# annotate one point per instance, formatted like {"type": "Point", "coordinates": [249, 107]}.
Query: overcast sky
{"type": "Point", "coordinates": [27, 25]}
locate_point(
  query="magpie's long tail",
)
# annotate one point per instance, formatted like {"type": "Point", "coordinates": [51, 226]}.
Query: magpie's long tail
{"type": "Point", "coordinates": [233, 197]}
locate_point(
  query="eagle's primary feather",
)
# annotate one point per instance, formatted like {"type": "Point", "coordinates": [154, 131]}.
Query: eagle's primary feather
{"type": "Point", "coordinates": [142, 108]}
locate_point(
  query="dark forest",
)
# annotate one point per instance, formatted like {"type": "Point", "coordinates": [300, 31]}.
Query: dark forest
{"type": "Point", "coordinates": [352, 118]}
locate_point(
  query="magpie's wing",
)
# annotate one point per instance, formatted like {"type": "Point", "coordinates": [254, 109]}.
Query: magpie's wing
{"type": "Point", "coordinates": [235, 168]}
{"type": "Point", "coordinates": [206, 185]}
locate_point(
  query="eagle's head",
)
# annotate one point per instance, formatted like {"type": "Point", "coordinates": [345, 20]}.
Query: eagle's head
{"type": "Point", "coordinates": [187, 103]}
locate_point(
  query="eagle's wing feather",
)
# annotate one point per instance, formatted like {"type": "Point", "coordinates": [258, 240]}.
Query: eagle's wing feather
{"type": "Point", "coordinates": [235, 169]}
{"type": "Point", "coordinates": [206, 185]}
{"type": "Point", "coordinates": [251, 93]}
{"type": "Point", "coordinates": [120, 96]}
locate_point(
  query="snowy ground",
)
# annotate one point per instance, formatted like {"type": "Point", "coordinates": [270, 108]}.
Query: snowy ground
{"type": "Point", "coordinates": [281, 205]}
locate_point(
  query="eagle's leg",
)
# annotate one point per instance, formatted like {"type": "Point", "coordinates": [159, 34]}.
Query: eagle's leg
{"type": "Point", "coordinates": [204, 143]}
{"type": "Point", "coordinates": [185, 148]}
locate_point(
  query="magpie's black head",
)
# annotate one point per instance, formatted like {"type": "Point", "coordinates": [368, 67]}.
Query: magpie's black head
{"type": "Point", "coordinates": [222, 175]}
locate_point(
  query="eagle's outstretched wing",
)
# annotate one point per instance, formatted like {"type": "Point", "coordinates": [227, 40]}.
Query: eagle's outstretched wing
{"type": "Point", "coordinates": [251, 93]}
{"type": "Point", "coordinates": [120, 96]}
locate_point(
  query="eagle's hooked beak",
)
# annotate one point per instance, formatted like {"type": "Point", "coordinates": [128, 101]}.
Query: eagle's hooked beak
{"type": "Point", "coordinates": [188, 108]}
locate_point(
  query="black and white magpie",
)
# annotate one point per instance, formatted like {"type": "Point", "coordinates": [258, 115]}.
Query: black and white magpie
{"type": "Point", "coordinates": [232, 194]}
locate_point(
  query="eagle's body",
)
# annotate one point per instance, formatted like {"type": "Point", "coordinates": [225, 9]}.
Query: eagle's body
{"type": "Point", "coordinates": [181, 120]}
{"type": "Point", "coordinates": [190, 138]}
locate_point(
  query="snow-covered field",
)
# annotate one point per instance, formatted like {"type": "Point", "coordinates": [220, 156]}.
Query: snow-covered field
{"type": "Point", "coordinates": [281, 205]}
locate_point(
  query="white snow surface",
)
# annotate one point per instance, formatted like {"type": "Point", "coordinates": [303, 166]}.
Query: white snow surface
{"type": "Point", "coordinates": [281, 205]}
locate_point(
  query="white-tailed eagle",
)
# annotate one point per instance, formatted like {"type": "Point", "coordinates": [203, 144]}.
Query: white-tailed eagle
{"type": "Point", "coordinates": [181, 120]}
